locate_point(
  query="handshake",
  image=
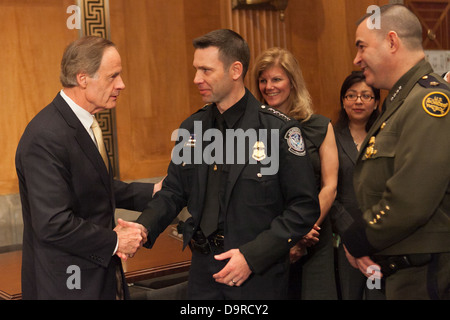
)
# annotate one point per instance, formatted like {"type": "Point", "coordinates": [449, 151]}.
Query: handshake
{"type": "Point", "coordinates": [131, 237]}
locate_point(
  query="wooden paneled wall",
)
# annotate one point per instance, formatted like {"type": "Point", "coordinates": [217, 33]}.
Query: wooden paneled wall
{"type": "Point", "coordinates": [322, 37]}
{"type": "Point", "coordinates": [33, 35]}
{"type": "Point", "coordinates": [261, 28]}
{"type": "Point", "coordinates": [434, 16]}
{"type": "Point", "coordinates": [154, 38]}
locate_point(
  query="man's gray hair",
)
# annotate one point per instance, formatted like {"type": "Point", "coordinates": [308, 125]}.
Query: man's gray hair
{"type": "Point", "coordinates": [82, 55]}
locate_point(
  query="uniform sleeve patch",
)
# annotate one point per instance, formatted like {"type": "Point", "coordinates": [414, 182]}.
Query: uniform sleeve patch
{"type": "Point", "coordinates": [295, 142]}
{"type": "Point", "coordinates": [436, 104]}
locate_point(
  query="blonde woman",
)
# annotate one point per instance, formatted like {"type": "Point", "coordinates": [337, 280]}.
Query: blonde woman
{"type": "Point", "coordinates": [281, 85]}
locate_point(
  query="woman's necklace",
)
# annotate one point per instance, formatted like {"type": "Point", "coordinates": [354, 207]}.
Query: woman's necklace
{"type": "Point", "coordinates": [358, 137]}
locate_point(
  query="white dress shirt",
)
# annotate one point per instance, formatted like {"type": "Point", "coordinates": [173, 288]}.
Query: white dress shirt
{"type": "Point", "coordinates": [83, 115]}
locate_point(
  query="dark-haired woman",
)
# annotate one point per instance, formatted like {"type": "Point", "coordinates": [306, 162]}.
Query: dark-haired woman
{"type": "Point", "coordinates": [359, 109]}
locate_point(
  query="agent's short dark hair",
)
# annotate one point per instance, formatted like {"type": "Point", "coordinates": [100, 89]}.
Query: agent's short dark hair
{"type": "Point", "coordinates": [398, 18]}
{"type": "Point", "coordinates": [82, 55]}
{"type": "Point", "coordinates": [232, 47]}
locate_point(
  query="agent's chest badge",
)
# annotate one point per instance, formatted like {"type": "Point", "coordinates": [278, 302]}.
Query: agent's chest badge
{"type": "Point", "coordinates": [259, 151]}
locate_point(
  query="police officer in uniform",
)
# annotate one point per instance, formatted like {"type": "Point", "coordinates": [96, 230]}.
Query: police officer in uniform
{"type": "Point", "coordinates": [244, 218]}
{"type": "Point", "coordinates": [402, 176]}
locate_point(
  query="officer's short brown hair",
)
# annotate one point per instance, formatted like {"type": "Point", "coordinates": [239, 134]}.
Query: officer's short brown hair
{"type": "Point", "coordinates": [232, 47]}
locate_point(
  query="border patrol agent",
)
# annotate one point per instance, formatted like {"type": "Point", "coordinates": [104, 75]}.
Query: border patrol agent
{"type": "Point", "coordinates": [260, 217]}
{"type": "Point", "coordinates": [402, 176]}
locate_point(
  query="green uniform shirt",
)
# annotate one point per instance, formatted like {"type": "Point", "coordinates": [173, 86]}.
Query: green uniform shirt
{"type": "Point", "coordinates": [402, 177]}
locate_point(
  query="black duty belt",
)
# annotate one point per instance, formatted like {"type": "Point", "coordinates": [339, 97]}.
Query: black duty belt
{"type": "Point", "coordinates": [391, 264]}
{"type": "Point", "coordinates": [205, 245]}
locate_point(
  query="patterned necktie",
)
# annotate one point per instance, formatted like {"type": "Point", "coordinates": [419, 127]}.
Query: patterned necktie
{"type": "Point", "coordinates": [100, 143]}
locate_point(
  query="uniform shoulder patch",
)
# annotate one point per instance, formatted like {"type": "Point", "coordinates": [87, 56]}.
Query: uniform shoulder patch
{"type": "Point", "coordinates": [275, 112]}
{"type": "Point", "coordinates": [436, 104]}
{"type": "Point", "coordinates": [296, 144]}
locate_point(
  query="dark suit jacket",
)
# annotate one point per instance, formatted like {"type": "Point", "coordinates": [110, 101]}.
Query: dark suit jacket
{"type": "Point", "coordinates": [68, 203]}
{"type": "Point", "coordinates": [345, 207]}
{"type": "Point", "coordinates": [264, 214]}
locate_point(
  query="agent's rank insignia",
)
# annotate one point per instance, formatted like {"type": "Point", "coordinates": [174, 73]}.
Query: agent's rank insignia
{"type": "Point", "coordinates": [259, 151]}
{"type": "Point", "coordinates": [295, 141]}
{"type": "Point", "coordinates": [370, 150]}
{"type": "Point", "coordinates": [436, 104]}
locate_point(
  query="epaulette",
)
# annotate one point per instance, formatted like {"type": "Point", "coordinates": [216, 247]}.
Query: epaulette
{"type": "Point", "coordinates": [275, 112]}
{"type": "Point", "coordinates": [429, 81]}
{"type": "Point", "coordinates": [204, 108]}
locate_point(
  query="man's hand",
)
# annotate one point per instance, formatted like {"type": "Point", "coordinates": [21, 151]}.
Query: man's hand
{"type": "Point", "coordinates": [296, 252]}
{"type": "Point", "coordinates": [369, 268]}
{"type": "Point", "coordinates": [366, 265]}
{"type": "Point", "coordinates": [131, 237]}
{"type": "Point", "coordinates": [236, 271]}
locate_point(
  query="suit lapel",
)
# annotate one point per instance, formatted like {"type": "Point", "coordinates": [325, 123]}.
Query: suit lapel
{"type": "Point", "coordinates": [345, 139]}
{"type": "Point", "coordinates": [84, 140]}
{"type": "Point", "coordinates": [92, 153]}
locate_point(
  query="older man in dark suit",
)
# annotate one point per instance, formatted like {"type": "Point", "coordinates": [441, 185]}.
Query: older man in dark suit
{"type": "Point", "coordinates": [67, 189]}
